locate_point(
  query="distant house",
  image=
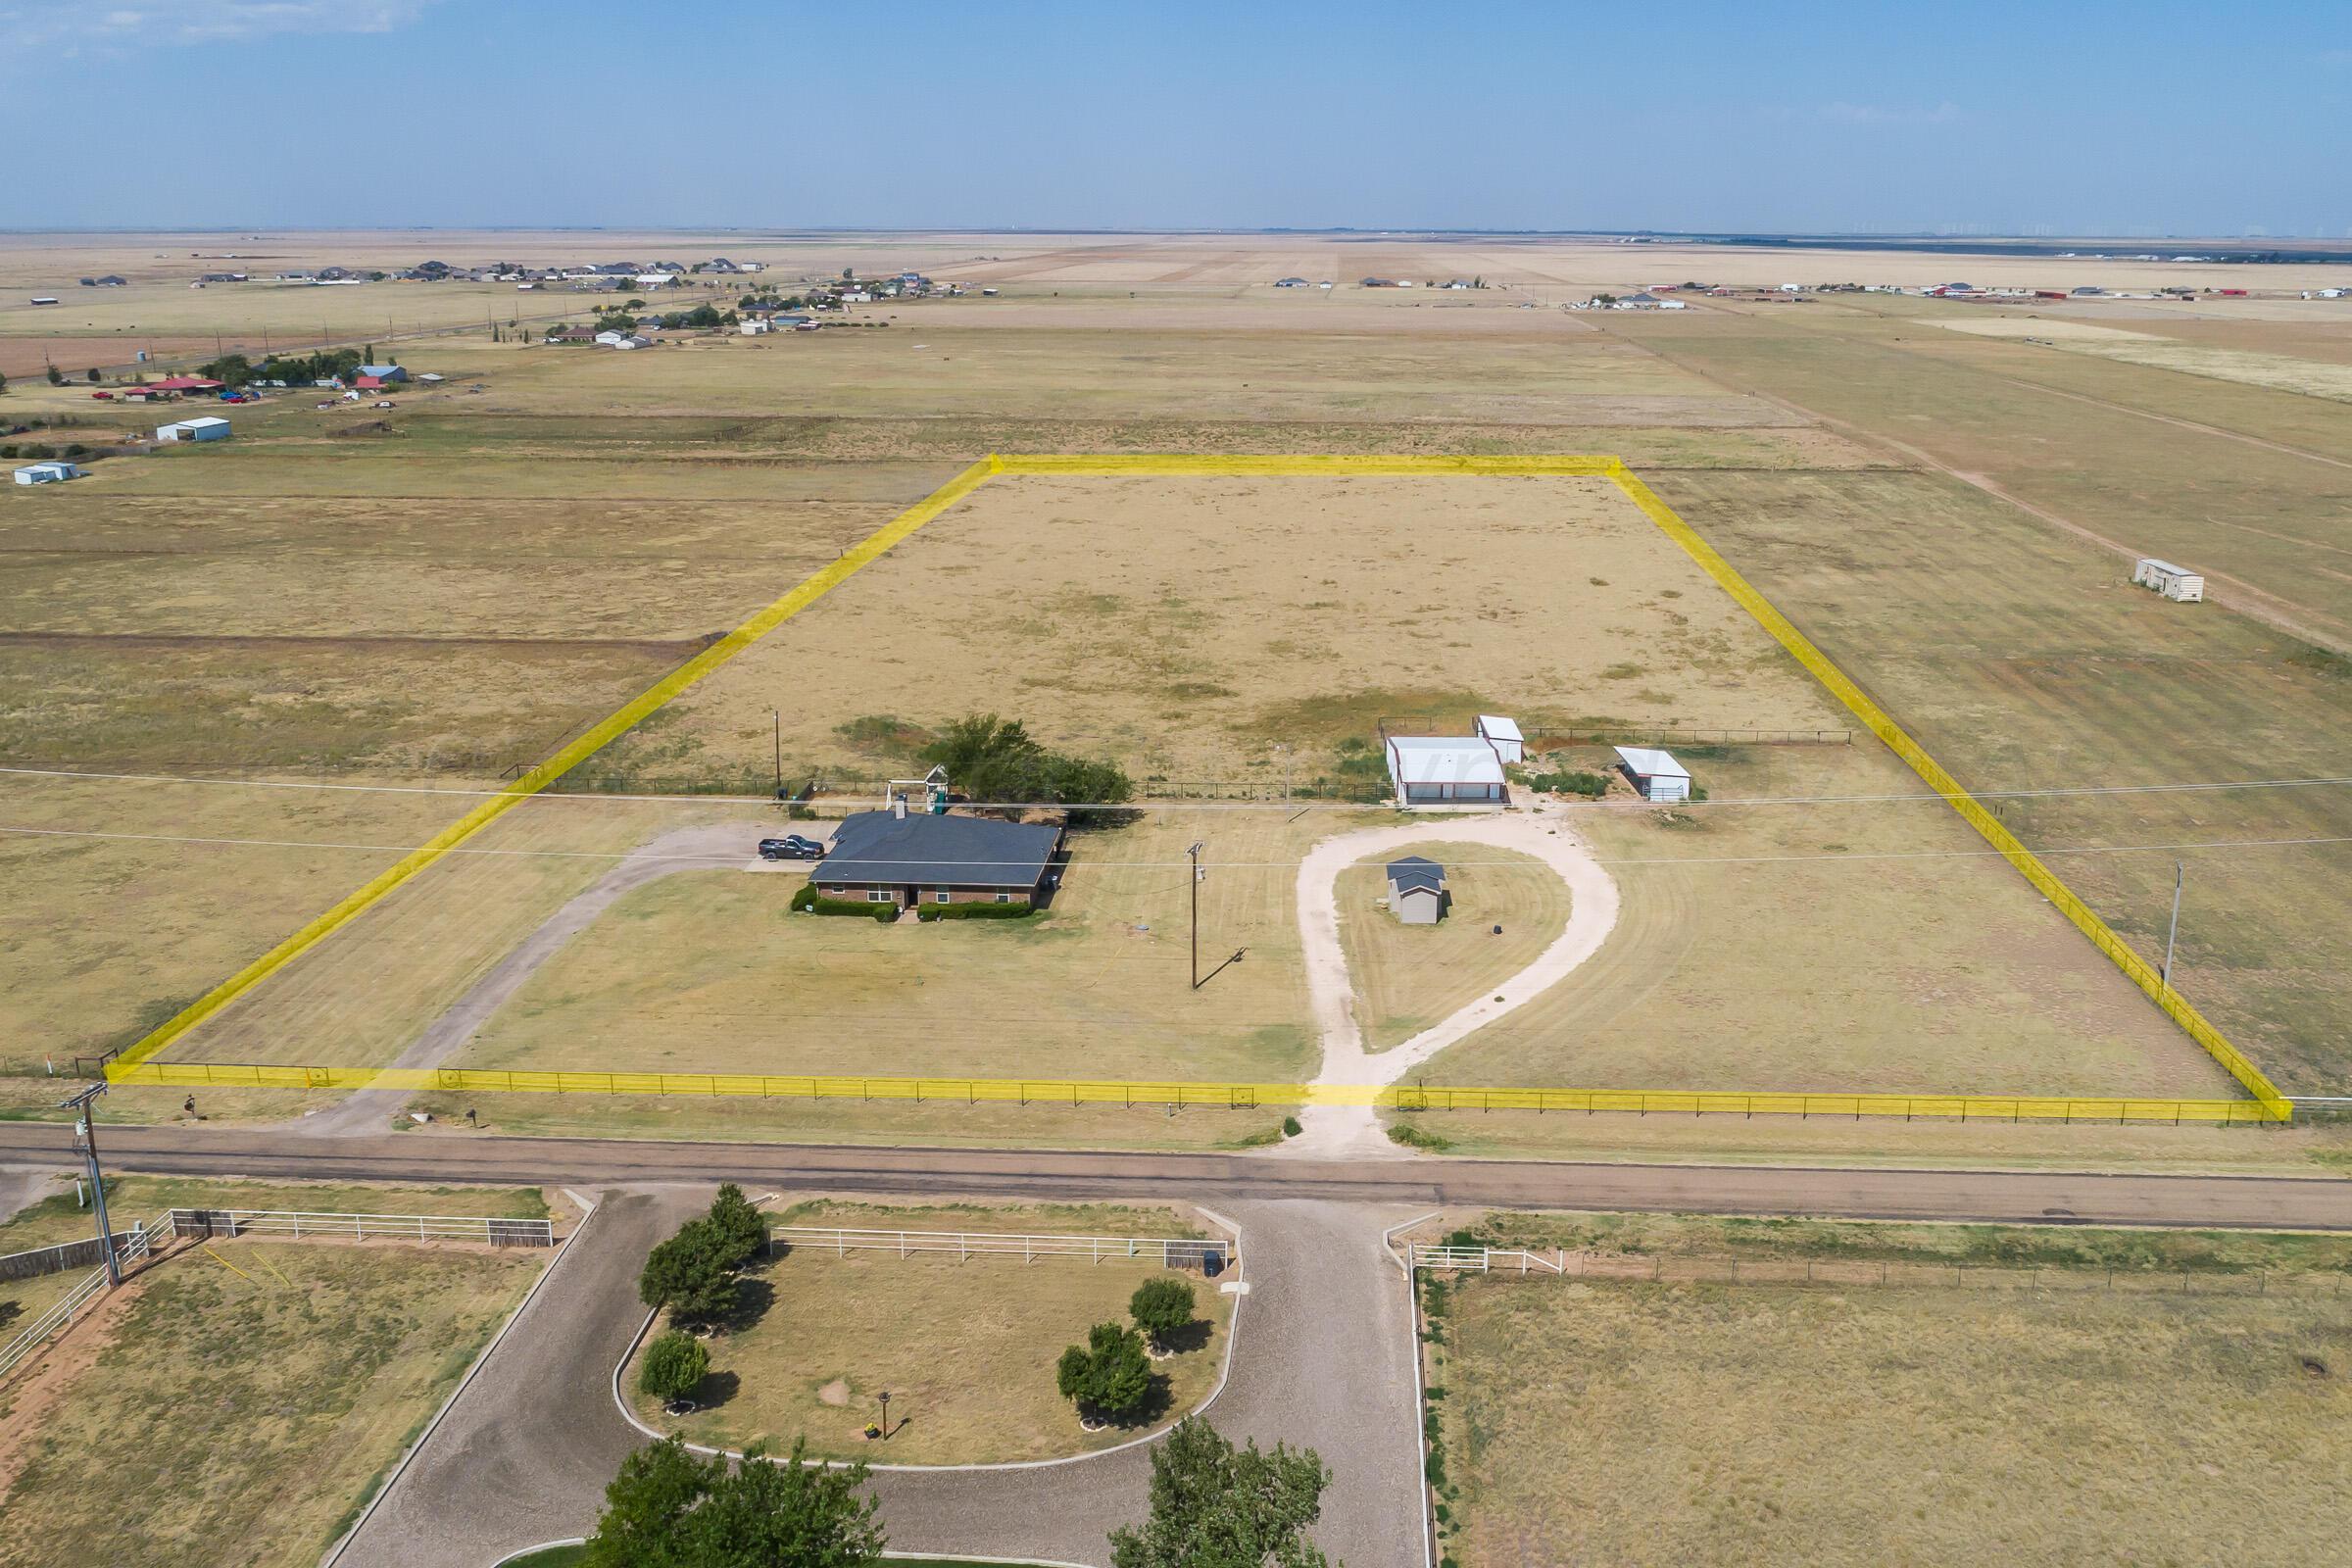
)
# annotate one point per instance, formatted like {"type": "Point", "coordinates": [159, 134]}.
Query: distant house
{"type": "Point", "coordinates": [1376, 282]}
{"type": "Point", "coordinates": [755, 327]}
{"type": "Point", "coordinates": [2174, 583]}
{"type": "Point", "coordinates": [204, 427]}
{"type": "Point", "coordinates": [369, 383]}
{"type": "Point", "coordinates": [622, 340]}
{"type": "Point", "coordinates": [572, 334]}
{"type": "Point", "coordinates": [1504, 733]}
{"type": "Point", "coordinates": [908, 859]}
{"type": "Point", "coordinates": [54, 471]}
{"type": "Point", "coordinates": [1428, 770]}
{"type": "Point", "coordinates": [186, 384]}
{"type": "Point", "coordinates": [384, 373]}
{"type": "Point", "coordinates": [1289, 282]}
{"type": "Point", "coordinates": [1418, 892]}
{"type": "Point", "coordinates": [856, 296]}
{"type": "Point", "coordinates": [1655, 774]}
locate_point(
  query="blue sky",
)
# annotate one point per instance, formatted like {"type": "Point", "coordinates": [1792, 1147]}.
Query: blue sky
{"type": "Point", "coordinates": [1988, 117]}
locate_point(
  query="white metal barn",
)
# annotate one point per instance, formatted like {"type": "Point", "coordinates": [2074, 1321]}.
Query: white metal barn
{"type": "Point", "coordinates": [1658, 776]}
{"type": "Point", "coordinates": [1504, 734]}
{"type": "Point", "coordinates": [1429, 769]}
{"type": "Point", "coordinates": [51, 473]}
{"type": "Point", "coordinates": [204, 427]}
{"type": "Point", "coordinates": [2174, 583]}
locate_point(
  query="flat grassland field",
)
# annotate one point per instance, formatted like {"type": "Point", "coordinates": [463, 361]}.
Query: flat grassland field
{"type": "Point", "coordinates": [1629, 1422]}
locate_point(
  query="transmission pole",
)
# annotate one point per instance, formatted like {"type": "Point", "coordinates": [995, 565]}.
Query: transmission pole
{"type": "Point", "coordinates": [2180, 875]}
{"type": "Point", "coordinates": [1195, 852]}
{"type": "Point", "coordinates": [89, 1155]}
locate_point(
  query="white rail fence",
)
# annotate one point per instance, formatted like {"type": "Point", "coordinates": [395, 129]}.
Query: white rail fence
{"type": "Point", "coordinates": [308, 1225]}
{"type": "Point", "coordinates": [1705, 1270]}
{"type": "Point", "coordinates": [136, 1243]}
{"type": "Point", "coordinates": [1209, 1255]}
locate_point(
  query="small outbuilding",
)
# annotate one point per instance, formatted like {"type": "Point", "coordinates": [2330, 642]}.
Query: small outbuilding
{"type": "Point", "coordinates": [384, 373]}
{"type": "Point", "coordinates": [204, 427]}
{"type": "Point", "coordinates": [1655, 774]}
{"type": "Point", "coordinates": [1418, 892]}
{"type": "Point", "coordinates": [1433, 769]}
{"type": "Point", "coordinates": [1504, 734]}
{"type": "Point", "coordinates": [54, 471]}
{"type": "Point", "coordinates": [2174, 583]}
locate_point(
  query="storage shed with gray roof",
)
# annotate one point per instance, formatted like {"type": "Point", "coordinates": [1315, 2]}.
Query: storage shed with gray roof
{"type": "Point", "coordinates": [911, 857]}
{"type": "Point", "coordinates": [1416, 890]}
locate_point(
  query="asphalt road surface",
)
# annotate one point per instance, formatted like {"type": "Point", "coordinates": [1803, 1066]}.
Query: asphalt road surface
{"type": "Point", "coordinates": [2262, 1202]}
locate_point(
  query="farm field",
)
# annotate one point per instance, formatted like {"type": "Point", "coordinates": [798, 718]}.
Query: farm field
{"type": "Point", "coordinates": [1406, 977]}
{"type": "Point", "coordinates": [1851, 944]}
{"type": "Point", "coordinates": [825, 1334]}
{"type": "Point", "coordinates": [272, 1395]}
{"type": "Point", "coordinates": [1832, 1424]}
{"type": "Point", "coordinates": [1186, 628]}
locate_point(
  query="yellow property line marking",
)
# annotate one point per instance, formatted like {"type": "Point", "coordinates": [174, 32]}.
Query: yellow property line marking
{"type": "Point", "coordinates": [226, 1264]}
{"type": "Point", "coordinates": [2272, 1105]}
{"type": "Point", "coordinates": [1051, 1092]}
{"type": "Point", "coordinates": [611, 728]}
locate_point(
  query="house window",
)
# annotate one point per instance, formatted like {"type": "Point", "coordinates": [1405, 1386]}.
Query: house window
{"type": "Point", "coordinates": [877, 895]}
{"type": "Point", "coordinates": [1003, 898]}
{"type": "Point", "coordinates": [939, 896]}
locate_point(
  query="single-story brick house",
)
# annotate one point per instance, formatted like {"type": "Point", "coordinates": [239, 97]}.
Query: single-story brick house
{"type": "Point", "coordinates": [909, 857]}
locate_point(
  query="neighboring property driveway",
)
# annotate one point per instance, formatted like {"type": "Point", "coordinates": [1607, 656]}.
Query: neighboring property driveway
{"type": "Point", "coordinates": [718, 846]}
{"type": "Point", "coordinates": [1322, 1358]}
{"type": "Point", "coordinates": [1353, 1131]}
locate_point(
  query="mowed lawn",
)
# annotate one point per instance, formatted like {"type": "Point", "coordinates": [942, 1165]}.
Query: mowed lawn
{"type": "Point", "coordinates": [965, 1348]}
{"type": "Point", "coordinates": [710, 971]}
{"type": "Point", "coordinates": [1632, 1423]}
{"type": "Point", "coordinates": [1409, 977]}
{"type": "Point", "coordinates": [244, 1404]}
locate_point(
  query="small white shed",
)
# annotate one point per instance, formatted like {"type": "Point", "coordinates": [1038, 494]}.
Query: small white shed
{"type": "Point", "coordinates": [204, 427]}
{"type": "Point", "coordinates": [1658, 776]}
{"type": "Point", "coordinates": [1504, 735]}
{"type": "Point", "coordinates": [2174, 583]}
{"type": "Point", "coordinates": [51, 473]}
{"type": "Point", "coordinates": [755, 327]}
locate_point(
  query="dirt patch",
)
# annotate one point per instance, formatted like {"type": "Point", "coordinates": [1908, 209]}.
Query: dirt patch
{"type": "Point", "coordinates": [31, 1394]}
{"type": "Point", "coordinates": [836, 1391]}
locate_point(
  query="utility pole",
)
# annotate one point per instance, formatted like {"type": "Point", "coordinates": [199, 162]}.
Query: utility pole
{"type": "Point", "coordinates": [1195, 852]}
{"type": "Point", "coordinates": [89, 1155]}
{"type": "Point", "coordinates": [2180, 875]}
{"type": "Point", "coordinates": [777, 715]}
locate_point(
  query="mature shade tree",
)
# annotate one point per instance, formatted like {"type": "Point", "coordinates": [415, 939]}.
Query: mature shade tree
{"type": "Point", "coordinates": [1109, 1375]}
{"type": "Point", "coordinates": [690, 1274]}
{"type": "Point", "coordinates": [741, 1231]}
{"type": "Point", "coordinates": [1161, 1307]}
{"type": "Point", "coordinates": [993, 759]}
{"type": "Point", "coordinates": [670, 1509]}
{"type": "Point", "coordinates": [1216, 1508]}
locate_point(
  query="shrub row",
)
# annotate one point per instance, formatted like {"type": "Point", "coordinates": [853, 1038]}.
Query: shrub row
{"type": "Point", "coordinates": [807, 901]}
{"type": "Point", "coordinates": [1572, 781]}
{"type": "Point", "coordinates": [974, 911]}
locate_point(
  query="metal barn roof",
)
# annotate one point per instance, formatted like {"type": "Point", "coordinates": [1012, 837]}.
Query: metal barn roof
{"type": "Point", "coordinates": [1651, 763]}
{"type": "Point", "coordinates": [1442, 759]}
{"type": "Point", "coordinates": [1495, 727]}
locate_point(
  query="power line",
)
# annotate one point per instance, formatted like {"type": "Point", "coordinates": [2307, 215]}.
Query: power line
{"type": "Point", "coordinates": [2054, 792]}
{"type": "Point", "coordinates": [724, 861]}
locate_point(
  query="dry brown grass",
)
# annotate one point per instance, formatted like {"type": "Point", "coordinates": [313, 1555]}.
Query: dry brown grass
{"type": "Point", "coordinates": [1633, 1423]}
{"type": "Point", "coordinates": [1407, 977]}
{"type": "Point", "coordinates": [965, 1348]}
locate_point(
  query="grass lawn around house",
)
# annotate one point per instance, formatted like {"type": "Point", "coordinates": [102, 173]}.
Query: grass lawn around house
{"type": "Point", "coordinates": [965, 1348]}
{"type": "Point", "coordinates": [1409, 977]}
{"type": "Point", "coordinates": [288, 1372]}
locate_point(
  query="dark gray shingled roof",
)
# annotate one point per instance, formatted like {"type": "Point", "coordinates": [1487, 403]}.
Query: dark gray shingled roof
{"type": "Point", "coordinates": [968, 852]}
{"type": "Point", "coordinates": [1413, 872]}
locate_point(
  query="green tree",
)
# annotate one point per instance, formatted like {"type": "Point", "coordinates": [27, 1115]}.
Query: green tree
{"type": "Point", "coordinates": [1161, 1307]}
{"type": "Point", "coordinates": [56, 375]}
{"type": "Point", "coordinates": [1216, 1508]}
{"type": "Point", "coordinates": [3, 383]}
{"type": "Point", "coordinates": [737, 1227]}
{"type": "Point", "coordinates": [675, 1366]}
{"type": "Point", "coordinates": [993, 759]}
{"type": "Point", "coordinates": [93, 375]}
{"type": "Point", "coordinates": [1109, 1375]}
{"type": "Point", "coordinates": [690, 1275]}
{"type": "Point", "coordinates": [669, 1509]}
{"type": "Point", "coordinates": [232, 369]}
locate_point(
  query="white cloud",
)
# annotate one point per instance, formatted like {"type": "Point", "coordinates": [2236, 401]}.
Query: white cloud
{"type": "Point", "coordinates": [118, 23]}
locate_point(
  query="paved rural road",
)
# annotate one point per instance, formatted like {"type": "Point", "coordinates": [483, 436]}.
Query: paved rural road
{"type": "Point", "coordinates": [1322, 1358]}
{"type": "Point", "coordinates": [2014, 1196]}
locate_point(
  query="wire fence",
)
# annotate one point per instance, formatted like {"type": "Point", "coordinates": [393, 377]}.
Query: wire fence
{"type": "Point", "coordinates": [1581, 1264]}
{"type": "Point", "coordinates": [1207, 1256]}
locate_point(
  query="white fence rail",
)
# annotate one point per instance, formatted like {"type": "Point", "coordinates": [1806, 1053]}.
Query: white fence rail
{"type": "Point", "coordinates": [1210, 1256]}
{"type": "Point", "coordinates": [1486, 1259]}
{"type": "Point", "coordinates": [498, 1231]}
{"type": "Point", "coordinates": [135, 1245]}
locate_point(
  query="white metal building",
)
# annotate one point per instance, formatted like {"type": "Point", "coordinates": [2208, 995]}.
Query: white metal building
{"type": "Point", "coordinates": [1658, 776]}
{"type": "Point", "coordinates": [2174, 583]}
{"type": "Point", "coordinates": [1504, 733]}
{"type": "Point", "coordinates": [1427, 770]}
{"type": "Point", "coordinates": [51, 473]}
{"type": "Point", "coordinates": [204, 427]}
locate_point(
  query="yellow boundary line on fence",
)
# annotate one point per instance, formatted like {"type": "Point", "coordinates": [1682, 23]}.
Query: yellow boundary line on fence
{"type": "Point", "coordinates": [2268, 1104]}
